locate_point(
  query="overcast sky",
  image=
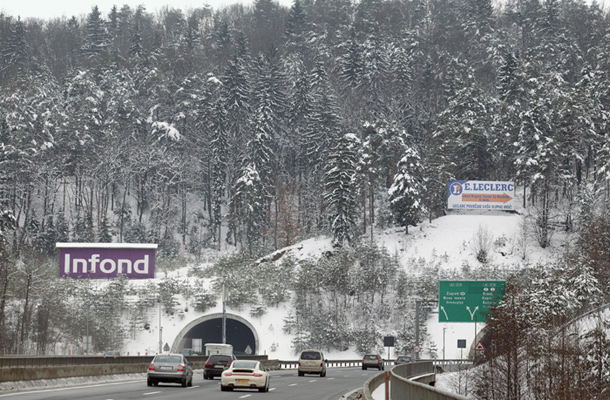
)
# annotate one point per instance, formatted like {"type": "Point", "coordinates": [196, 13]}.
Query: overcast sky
{"type": "Point", "coordinates": [48, 9]}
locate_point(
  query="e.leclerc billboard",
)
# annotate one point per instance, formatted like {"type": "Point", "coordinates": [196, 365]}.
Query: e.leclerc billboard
{"type": "Point", "coordinates": [480, 195]}
{"type": "Point", "coordinates": [468, 301]}
{"type": "Point", "coordinates": [106, 260]}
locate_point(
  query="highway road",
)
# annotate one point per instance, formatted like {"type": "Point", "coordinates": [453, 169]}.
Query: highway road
{"type": "Point", "coordinates": [285, 385]}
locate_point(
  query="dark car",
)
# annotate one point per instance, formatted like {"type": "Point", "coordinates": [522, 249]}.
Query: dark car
{"type": "Point", "coordinates": [215, 364]}
{"type": "Point", "coordinates": [403, 360]}
{"type": "Point", "coordinates": [170, 368]}
{"type": "Point", "coordinates": [372, 361]}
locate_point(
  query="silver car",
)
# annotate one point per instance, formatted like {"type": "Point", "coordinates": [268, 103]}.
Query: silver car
{"type": "Point", "coordinates": [312, 362]}
{"type": "Point", "coordinates": [170, 368]}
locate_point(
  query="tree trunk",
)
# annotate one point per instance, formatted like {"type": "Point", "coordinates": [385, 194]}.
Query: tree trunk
{"type": "Point", "coordinates": [26, 314]}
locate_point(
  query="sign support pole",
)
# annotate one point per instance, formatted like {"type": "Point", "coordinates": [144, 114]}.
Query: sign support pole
{"type": "Point", "coordinates": [475, 335]}
{"type": "Point", "coordinates": [417, 303]}
{"type": "Point", "coordinates": [444, 329]}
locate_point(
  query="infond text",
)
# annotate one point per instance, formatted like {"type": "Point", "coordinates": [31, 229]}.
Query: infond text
{"type": "Point", "coordinates": [102, 260]}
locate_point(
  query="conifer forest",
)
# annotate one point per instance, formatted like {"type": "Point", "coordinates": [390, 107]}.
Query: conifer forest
{"type": "Point", "coordinates": [248, 128]}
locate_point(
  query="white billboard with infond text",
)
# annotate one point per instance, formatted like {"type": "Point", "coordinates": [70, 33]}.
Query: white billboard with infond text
{"type": "Point", "coordinates": [481, 195]}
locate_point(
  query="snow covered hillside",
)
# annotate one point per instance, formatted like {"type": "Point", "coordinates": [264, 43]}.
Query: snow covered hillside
{"type": "Point", "coordinates": [452, 244]}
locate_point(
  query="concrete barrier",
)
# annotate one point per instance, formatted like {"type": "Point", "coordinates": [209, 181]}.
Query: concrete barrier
{"type": "Point", "coordinates": [38, 373]}
{"type": "Point", "coordinates": [15, 369]}
{"type": "Point", "coordinates": [410, 381]}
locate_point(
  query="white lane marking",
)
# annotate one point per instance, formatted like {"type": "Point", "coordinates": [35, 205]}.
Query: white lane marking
{"type": "Point", "coordinates": [271, 389]}
{"type": "Point", "coordinates": [293, 384]}
{"type": "Point", "coordinates": [244, 396]}
{"type": "Point", "coordinates": [68, 388]}
{"type": "Point", "coordinates": [313, 380]}
{"type": "Point", "coordinates": [330, 379]}
{"type": "Point", "coordinates": [146, 394]}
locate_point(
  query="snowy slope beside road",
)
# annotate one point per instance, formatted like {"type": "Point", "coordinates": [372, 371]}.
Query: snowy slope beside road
{"type": "Point", "coordinates": [449, 243]}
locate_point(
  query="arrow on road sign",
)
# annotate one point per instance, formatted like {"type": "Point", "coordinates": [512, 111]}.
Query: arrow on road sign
{"type": "Point", "coordinates": [472, 312]}
{"type": "Point", "coordinates": [445, 312]}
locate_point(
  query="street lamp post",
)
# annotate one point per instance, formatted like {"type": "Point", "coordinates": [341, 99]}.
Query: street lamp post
{"type": "Point", "coordinates": [160, 328]}
{"type": "Point", "coordinates": [417, 304]}
{"type": "Point", "coordinates": [224, 311]}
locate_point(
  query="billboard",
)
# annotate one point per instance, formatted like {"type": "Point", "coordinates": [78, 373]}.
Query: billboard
{"type": "Point", "coordinates": [106, 260]}
{"type": "Point", "coordinates": [480, 195]}
{"type": "Point", "coordinates": [468, 301]}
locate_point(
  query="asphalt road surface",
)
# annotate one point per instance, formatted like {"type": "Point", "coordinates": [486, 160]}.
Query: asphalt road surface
{"type": "Point", "coordinates": [285, 385]}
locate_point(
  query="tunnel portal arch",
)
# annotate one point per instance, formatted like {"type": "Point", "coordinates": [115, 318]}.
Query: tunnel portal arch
{"type": "Point", "coordinates": [240, 333]}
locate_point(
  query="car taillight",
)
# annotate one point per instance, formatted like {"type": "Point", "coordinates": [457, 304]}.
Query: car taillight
{"type": "Point", "coordinates": [180, 368]}
{"type": "Point", "coordinates": [258, 375]}
{"type": "Point", "coordinates": [152, 367]}
{"type": "Point", "coordinates": [208, 364]}
{"type": "Point", "coordinates": [321, 365]}
{"type": "Point", "coordinates": [228, 374]}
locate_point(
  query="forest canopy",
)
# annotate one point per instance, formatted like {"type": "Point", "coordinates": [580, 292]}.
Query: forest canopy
{"type": "Point", "coordinates": [253, 127]}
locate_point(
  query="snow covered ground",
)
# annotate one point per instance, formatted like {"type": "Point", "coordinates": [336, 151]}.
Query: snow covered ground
{"type": "Point", "coordinates": [448, 240]}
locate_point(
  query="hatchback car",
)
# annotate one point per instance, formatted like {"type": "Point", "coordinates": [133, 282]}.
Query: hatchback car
{"type": "Point", "coordinates": [245, 374]}
{"type": "Point", "coordinates": [215, 364]}
{"type": "Point", "coordinates": [312, 362]}
{"type": "Point", "coordinates": [372, 361]}
{"type": "Point", "coordinates": [403, 360]}
{"type": "Point", "coordinates": [170, 368]}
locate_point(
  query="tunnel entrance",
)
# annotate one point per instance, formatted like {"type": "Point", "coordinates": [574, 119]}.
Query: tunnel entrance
{"type": "Point", "coordinates": [240, 334]}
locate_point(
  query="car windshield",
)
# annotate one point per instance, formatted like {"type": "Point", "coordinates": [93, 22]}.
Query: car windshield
{"type": "Point", "coordinates": [310, 355]}
{"type": "Point", "coordinates": [244, 364]}
{"type": "Point", "coordinates": [168, 359]}
{"type": "Point", "coordinates": [222, 359]}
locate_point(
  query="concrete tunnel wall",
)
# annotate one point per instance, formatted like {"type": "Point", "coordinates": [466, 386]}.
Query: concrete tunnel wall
{"type": "Point", "coordinates": [233, 321]}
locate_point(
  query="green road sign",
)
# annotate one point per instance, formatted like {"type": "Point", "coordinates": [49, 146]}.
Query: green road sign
{"type": "Point", "coordinates": [467, 301]}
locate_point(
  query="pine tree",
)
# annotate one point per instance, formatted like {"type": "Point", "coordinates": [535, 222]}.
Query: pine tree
{"type": "Point", "coordinates": [340, 189]}
{"type": "Point", "coordinates": [464, 128]}
{"type": "Point", "coordinates": [104, 234]}
{"type": "Point", "coordinates": [17, 52]}
{"type": "Point", "coordinates": [247, 207]}
{"type": "Point", "coordinates": [350, 64]}
{"type": "Point", "coordinates": [297, 31]}
{"type": "Point", "coordinates": [375, 72]}
{"type": "Point", "coordinates": [322, 121]}
{"type": "Point", "coordinates": [136, 49]}
{"type": "Point", "coordinates": [97, 39]}
{"type": "Point", "coordinates": [407, 190]}
{"type": "Point", "coordinates": [236, 98]}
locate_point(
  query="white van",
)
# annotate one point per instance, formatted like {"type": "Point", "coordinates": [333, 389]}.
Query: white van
{"type": "Point", "coordinates": [218, 348]}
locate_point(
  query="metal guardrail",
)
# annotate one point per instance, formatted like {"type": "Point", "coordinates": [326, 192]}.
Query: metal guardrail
{"type": "Point", "coordinates": [330, 364]}
{"type": "Point", "coordinates": [54, 361]}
